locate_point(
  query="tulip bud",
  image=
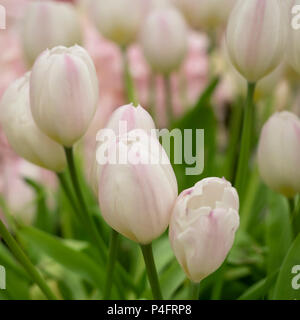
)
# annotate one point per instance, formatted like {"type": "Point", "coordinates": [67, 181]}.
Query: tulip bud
{"type": "Point", "coordinates": [279, 153]}
{"type": "Point", "coordinates": [256, 35]}
{"type": "Point", "coordinates": [122, 120]}
{"type": "Point", "coordinates": [205, 14]}
{"type": "Point", "coordinates": [203, 225]}
{"type": "Point", "coordinates": [118, 20]}
{"type": "Point", "coordinates": [64, 93]}
{"type": "Point", "coordinates": [137, 196]}
{"type": "Point", "coordinates": [164, 40]}
{"type": "Point", "coordinates": [48, 24]}
{"type": "Point", "coordinates": [134, 117]}
{"type": "Point", "coordinates": [23, 134]}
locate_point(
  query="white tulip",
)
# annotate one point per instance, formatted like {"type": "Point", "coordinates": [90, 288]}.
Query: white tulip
{"type": "Point", "coordinates": [164, 40]}
{"type": "Point", "coordinates": [256, 37]}
{"type": "Point", "coordinates": [24, 136]}
{"type": "Point", "coordinates": [205, 14]}
{"type": "Point", "coordinates": [136, 197]}
{"type": "Point", "coordinates": [118, 20]}
{"type": "Point", "coordinates": [279, 153]}
{"type": "Point", "coordinates": [203, 225]}
{"type": "Point", "coordinates": [48, 24]}
{"type": "Point", "coordinates": [64, 93]}
{"type": "Point", "coordinates": [122, 120]}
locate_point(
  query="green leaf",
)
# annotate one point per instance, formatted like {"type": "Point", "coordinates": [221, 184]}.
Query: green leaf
{"type": "Point", "coordinates": [279, 232]}
{"type": "Point", "coordinates": [259, 289]}
{"type": "Point", "coordinates": [71, 259]}
{"type": "Point", "coordinates": [44, 218]}
{"type": "Point", "coordinates": [163, 253]}
{"type": "Point", "coordinates": [201, 116]}
{"type": "Point", "coordinates": [171, 280]}
{"type": "Point", "coordinates": [9, 262]}
{"type": "Point", "coordinates": [245, 251]}
{"type": "Point", "coordinates": [287, 279]}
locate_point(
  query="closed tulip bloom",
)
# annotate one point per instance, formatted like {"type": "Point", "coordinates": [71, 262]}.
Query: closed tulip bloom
{"type": "Point", "coordinates": [164, 40]}
{"type": "Point", "coordinates": [48, 24]}
{"type": "Point", "coordinates": [256, 35]}
{"type": "Point", "coordinates": [136, 198]}
{"type": "Point", "coordinates": [203, 225]}
{"type": "Point", "coordinates": [205, 14]}
{"type": "Point", "coordinates": [118, 20]}
{"type": "Point", "coordinates": [134, 117]}
{"type": "Point", "coordinates": [279, 153]}
{"type": "Point", "coordinates": [122, 120]}
{"type": "Point", "coordinates": [64, 93]}
{"type": "Point", "coordinates": [27, 140]}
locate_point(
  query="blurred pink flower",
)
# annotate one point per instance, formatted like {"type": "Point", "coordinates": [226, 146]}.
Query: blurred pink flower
{"type": "Point", "coordinates": [11, 61]}
{"type": "Point", "coordinates": [196, 66]}
{"type": "Point", "coordinates": [187, 84]}
{"type": "Point", "coordinates": [107, 59]}
{"type": "Point", "coordinates": [19, 197]}
{"type": "Point", "coordinates": [14, 11]}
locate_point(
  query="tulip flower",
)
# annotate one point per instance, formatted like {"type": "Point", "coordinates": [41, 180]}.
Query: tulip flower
{"type": "Point", "coordinates": [164, 40]}
{"type": "Point", "coordinates": [118, 20]}
{"type": "Point", "coordinates": [256, 35]}
{"type": "Point", "coordinates": [48, 24]}
{"type": "Point", "coordinates": [134, 117]}
{"type": "Point", "coordinates": [279, 153]}
{"type": "Point", "coordinates": [24, 136]}
{"type": "Point", "coordinates": [205, 14]}
{"type": "Point", "coordinates": [136, 196]}
{"type": "Point", "coordinates": [122, 120]}
{"type": "Point", "coordinates": [203, 225]}
{"type": "Point", "coordinates": [64, 93]}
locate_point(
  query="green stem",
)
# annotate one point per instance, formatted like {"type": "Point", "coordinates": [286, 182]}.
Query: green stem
{"type": "Point", "coordinates": [84, 213]}
{"type": "Point", "coordinates": [168, 98]}
{"type": "Point", "coordinates": [25, 262]}
{"type": "Point", "coordinates": [88, 224]}
{"type": "Point", "coordinates": [195, 290]}
{"type": "Point", "coordinates": [112, 257]}
{"type": "Point", "coordinates": [152, 96]}
{"type": "Point", "coordinates": [235, 131]}
{"type": "Point", "coordinates": [151, 271]}
{"type": "Point", "coordinates": [245, 140]}
{"type": "Point", "coordinates": [294, 216]}
{"type": "Point", "coordinates": [128, 81]}
{"type": "Point", "coordinates": [68, 191]}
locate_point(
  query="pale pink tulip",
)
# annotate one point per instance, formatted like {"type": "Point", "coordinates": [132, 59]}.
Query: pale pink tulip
{"type": "Point", "coordinates": [125, 118]}
{"type": "Point", "coordinates": [279, 153]}
{"type": "Point", "coordinates": [164, 40]}
{"type": "Point", "coordinates": [64, 93]}
{"type": "Point", "coordinates": [118, 20]}
{"type": "Point", "coordinates": [136, 199]}
{"type": "Point", "coordinates": [27, 140]}
{"type": "Point", "coordinates": [203, 225]}
{"type": "Point", "coordinates": [205, 14]}
{"type": "Point", "coordinates": [256, 36]}
{"type": "Point", "coordinates": [47, 24]}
